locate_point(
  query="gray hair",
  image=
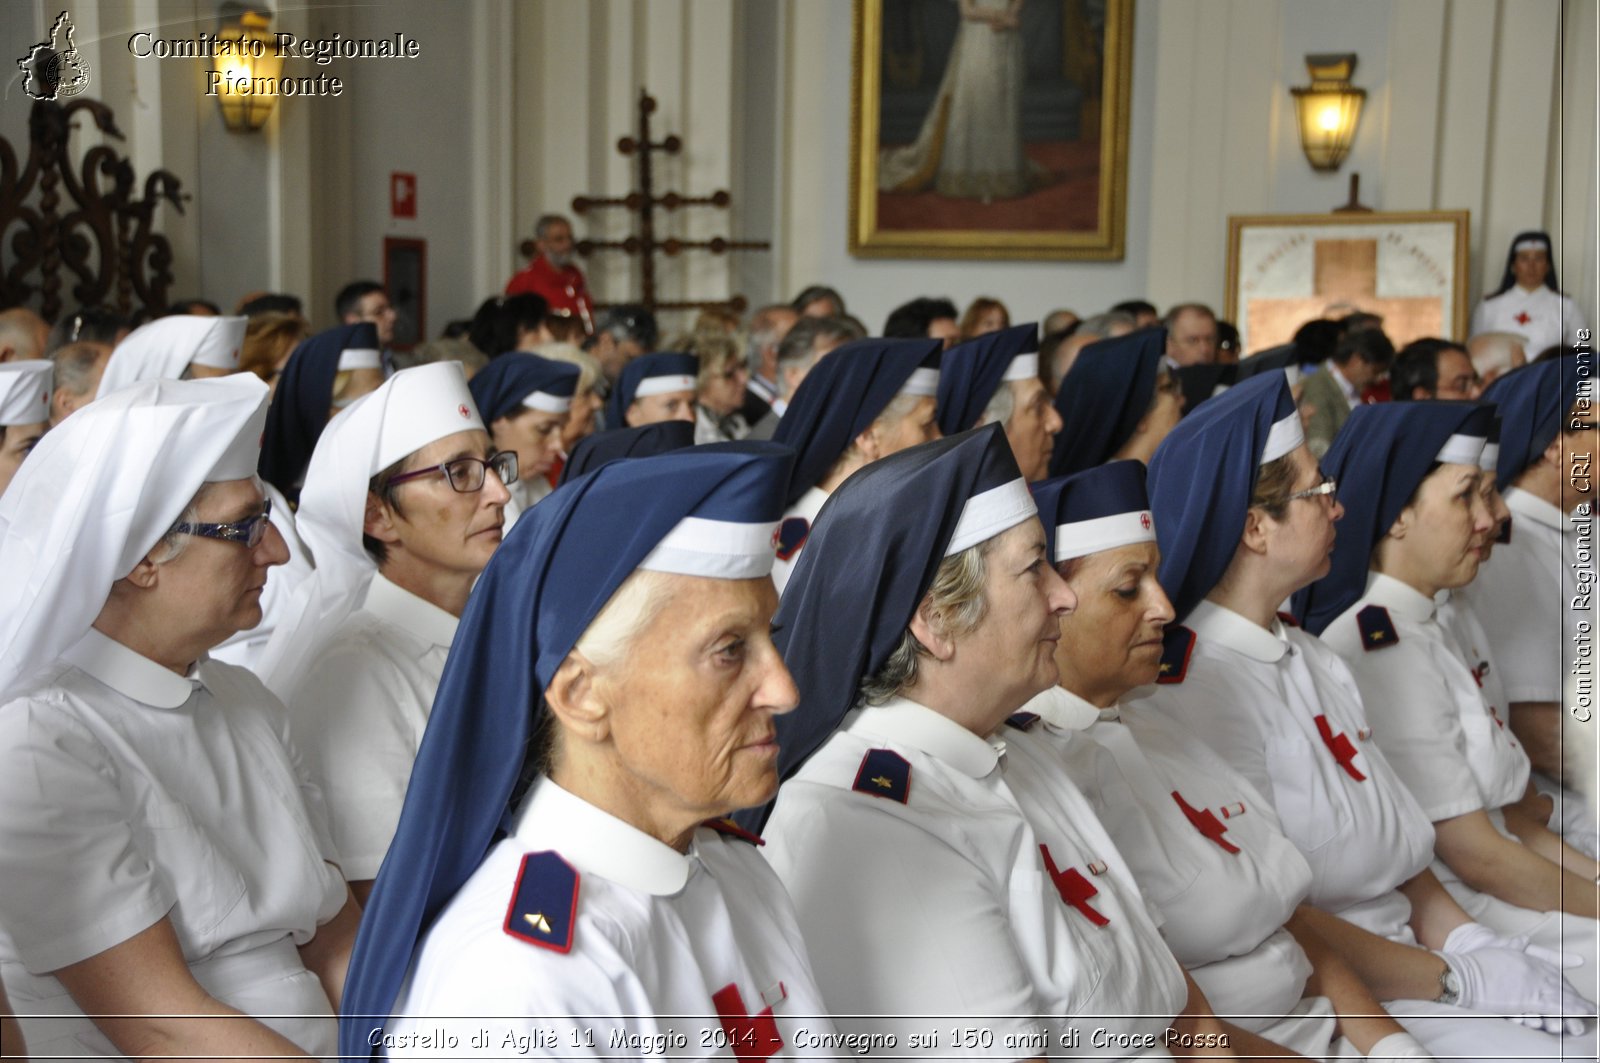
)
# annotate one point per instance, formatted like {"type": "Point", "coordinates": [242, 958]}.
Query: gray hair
{"type": "Point", "coordinates": [541, 228]}
{"type": "Point", "coordinates": [1002, 404]}
{"type": "Point", "coordinates": [799, 348]}
{"type": "Point", "coordinates": [1182, 308]}
{"type": "Point", "coordinates": [172, 544]}
{"type": "Point", "coordinates": [75, 365]}
{"type": "Point", "coordinates": [764, 332]}
{"type": "Point", "coordinates": [1102, 324]}
{"type": "Point", "coordinates": [956, 606]}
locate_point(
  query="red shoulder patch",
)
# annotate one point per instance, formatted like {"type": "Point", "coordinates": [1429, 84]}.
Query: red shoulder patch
{"type": "Point", "coordinates": [1177, 644]}
{"type": "Point", "coordinates": [725, 825]}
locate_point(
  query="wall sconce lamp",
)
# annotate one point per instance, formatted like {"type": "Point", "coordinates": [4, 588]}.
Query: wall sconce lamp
{"type": "Point", "coordinates": [245, 81]}
{"type": "Point", "coordinates": [1329, 109]}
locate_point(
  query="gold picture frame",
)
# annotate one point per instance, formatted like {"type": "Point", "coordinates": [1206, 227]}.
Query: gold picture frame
{"type": "Point", "coordinates": [1408, 267]}
{"type": "Point", "coordinates": [1069, 200]}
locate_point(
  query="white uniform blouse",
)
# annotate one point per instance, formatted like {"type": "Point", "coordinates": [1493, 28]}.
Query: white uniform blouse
{"type": "Point", "coordinates": [991, 898]}
{"type": "Point", "coordinates": [1284, 711]}
{"type": "Point", "coordinates": [360, 714]}
{"type": "Point", "coordinates": [128, 792]}
{"type": "Point", "coordinates": [1542, 317]}
{"type": "Point", "coordinates": [1432, 721]}
{"type": "Point", "coordinates": [806, 509]}
{"type": "Point", "coordinates": [682, 955]}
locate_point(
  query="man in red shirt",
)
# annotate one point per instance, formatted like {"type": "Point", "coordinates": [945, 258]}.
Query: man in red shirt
{"type": "Point", "coordinates": [552, 274]}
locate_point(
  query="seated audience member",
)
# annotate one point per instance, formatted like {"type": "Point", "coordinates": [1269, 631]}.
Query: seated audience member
{"type": "Point", "coordinates": [1060, 321]}
{"type": "Point", "coordinates": [1547, 433]}
{"type": "Point", "coordinates": [995, 380]}
{"type": "Point", "coordinates": [1361, 358]}
{"type": "Point", "coordinates": [877, 397]}
{"type": "Point", "coordinates": [621, 334]}
{"type": "Point", "coordinates": [24, 335]}
{"type": "Point", "coordinates": [920, 318]}
{"type": "Point", "coordinates": [1091, 330]}
{"type": "Point", "coordinates": [1191, 335]}
{"type": "Point", "coordinates": [402, 508]}
{"type": "Point", "coordinates": [719, 386]}
{"type": "Point", "coordinates": [194, 307]}
{"type": "Point", "coordinates": [717, 319]}
{"type": "Point", "coordinates": [611, 694]}
{"type": "Point", "coordinates": [1203, 845]}
{"type": "Point", "coordinates": [1245, 518]}
{"type": "Point", "coordinates": [1433, 369]}
{"type": "Point", "coordinates": [78, 368]}
{"type": "Point", "coordinates": [270, 303]}
{"type": "Point", "coordinates": [175, 348]}
{"type": "Point", "coordinates": [448, 348]}
{"type": "Point", "coordinates": [1495, 354]}
{"type": "Point", "coordinates": [603, 447]}
{"type": "Point", "coordinates": [986, 912]}
{"type": "Point", "coordinates": [588, 398]}
{"type": "Point", "coordinates": [818, 300]}
{"type": "Point", "coordinates": [803, 346]}
{"type": "Point", "coordinates": [24, 412]}
{"type": "Point", "coordinates": [1228, 352]}
{"type": "Point", "coordinates": [367, 301]}
{"type": "Point", "coordinates": [1119, 401]}
{"type": "Point", "coordinates": [654, 387]}
{"type": "Point", "coordinates": [164, 863]}
{"type": "Point", "coordinates": [509, 323]}
{"type": "Point", "coordinates": [324, 374]}
{"type": "Point", "coordinates": [768, 327]}
{"type": "Point", "coordinates": [526, 400]}
{"type": "Point", "coordinates": [88, 325]}
{"type": "Point", "coordinates": [269, 339]}
{"type": "Point", "coordinates": [984, 315]}
{"type": "Point", "coordinates": [1144, 314]}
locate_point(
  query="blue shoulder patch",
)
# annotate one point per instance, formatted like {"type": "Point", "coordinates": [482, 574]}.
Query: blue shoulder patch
{"type": "Point", "coordinates": [544, 905]}
{"type": "Point", "coordinates": [1022, 720]}
{"type": "Point", "coordinates": [725, 825]}
{"type": "Point", "coordinates": [884, 773]}
{"type": "Point", "coordinates": [1377, 630]}
{"type": "Point", "coordinates": [1176, 646]}
{"type": "Point", "coordinates": [792, 535]}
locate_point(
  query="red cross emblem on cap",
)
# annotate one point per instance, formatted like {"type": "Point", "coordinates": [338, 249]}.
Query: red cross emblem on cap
{"type": "Point", "coordinates": [1144, 521]}
{"type": "Point", "coordinates": [1523, 318]}
{"type": "Point", "coordinates": [466, 414]}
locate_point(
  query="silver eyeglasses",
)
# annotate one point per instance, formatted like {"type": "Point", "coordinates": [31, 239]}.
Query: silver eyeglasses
{"type": "Point", "coordinates": [1328, 486]}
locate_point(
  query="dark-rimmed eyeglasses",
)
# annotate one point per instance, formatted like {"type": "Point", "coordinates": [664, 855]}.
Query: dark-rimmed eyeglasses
{"type": "Point", "coordinates": [466, 474]}
{"type": "Point", "coordinates": [248, 532]}
{"type": "Point", "coordinates": [1328, 486]}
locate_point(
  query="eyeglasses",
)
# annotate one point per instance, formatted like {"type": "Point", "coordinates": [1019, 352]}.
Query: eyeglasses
{"type": "Point", "coordinates": [1328, 487]}
{"type": "Point", "coordinates": [466, 474]}
{"type": "Point", "coordinates": [247, 532]}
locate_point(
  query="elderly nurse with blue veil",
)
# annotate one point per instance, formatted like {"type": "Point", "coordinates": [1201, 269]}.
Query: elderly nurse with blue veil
{"type": "Point", "coordinates": [611, 693]}
{"type": "Point", "coordinates": [1418, 525]}
{"type": "Point", "coordinates": [1244, 518]}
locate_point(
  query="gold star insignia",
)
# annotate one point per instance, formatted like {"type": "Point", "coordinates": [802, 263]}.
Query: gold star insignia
{"type": "Point", "coordinates": [1376, 636]}
{"type": "Point", "coordinates": [538, 921]}
{"type": "Point", "coordinates": [1165, 667]}
{"type": "Point", "coordinates": [882, 781]}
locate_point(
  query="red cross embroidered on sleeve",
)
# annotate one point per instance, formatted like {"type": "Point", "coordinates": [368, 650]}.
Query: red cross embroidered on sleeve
{"type": "Point", "coordinates": [752, 1037]}
{"type": "Point", "coordinates": [1343, 750]}
{"type": "Point", "coordinates": [1074, 888]}
{"type": "Point", "coordinates": [1206, 822]}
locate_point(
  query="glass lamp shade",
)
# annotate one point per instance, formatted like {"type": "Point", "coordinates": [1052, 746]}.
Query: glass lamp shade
{"type": "Point", "coordinates": [247, 82]}
{"type": "Point", "coordinates": [1329, 110]}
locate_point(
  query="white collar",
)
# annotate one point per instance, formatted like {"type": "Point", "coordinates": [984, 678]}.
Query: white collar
{"type": "Point", "coordinates": [130, 673]}
{"type": "Point", "coordinates": [1527, 504]}
{"type": "Point", "coordinates": [1401, 598]}
{"type": "Point", "coordinates": [1208, 620]}
{"type": "Point", "coordinates": [598, 843]}
{"type": "Point", "coordinates": [905, 721]}
{"type": "Point", "coordinates": [779, 405]}
{"type": "Point", "coordinates": [393, 603]}
{"type": "Point", "coordinates": [1060, 707]}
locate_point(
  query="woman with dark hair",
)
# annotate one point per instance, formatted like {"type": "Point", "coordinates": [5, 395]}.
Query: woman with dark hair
{"type": "Point", "coordinates": [1529, 302]}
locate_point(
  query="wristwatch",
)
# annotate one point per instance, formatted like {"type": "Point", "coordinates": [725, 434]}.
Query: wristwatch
{"type": "Point", "coordinates": [1449, 987]}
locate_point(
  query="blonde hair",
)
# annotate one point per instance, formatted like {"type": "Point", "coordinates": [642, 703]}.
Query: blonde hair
{"type": "Point", "coordinates": [956, 606]}
{"type": "Point", "coordinates": [589, 372]}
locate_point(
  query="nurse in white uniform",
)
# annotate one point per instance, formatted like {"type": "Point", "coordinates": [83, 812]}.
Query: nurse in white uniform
{"type": "Point", "coordinates": [403, 505]}
{"type": "Point", "coordinates": [994, 379]}
{"type": "Point", "coordinates": [555, 889]}
{"type": "Point", "coordinates": [1530, 599]}
{"type": "Point", "coordinates": [1529, 302]}
{"type": "Point", "coordinates": [1416, 525]}
{"type": "Point", "coordinates": [870, 399]}
{"type": "Point", "coordinates": [162, 854]}
{"type": "Point", "coordinates": [1245, 518]}
{"type": "Point", "coordinates": [526, 400]}
{"type": "Point", "coordinates": [1204, 846]}
{"type": "Point", "coordinates": [24, 412]}
{"type": "Point", "coordinates": [1005, 907]}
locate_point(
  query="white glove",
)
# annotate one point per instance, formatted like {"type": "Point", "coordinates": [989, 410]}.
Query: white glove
{"type": "Point", "coordinates": [1507, 981]}
{"type": "Point", "coordinates": [1469, 937]}
{"type": "Point", "coordinates": [1399, 1046]}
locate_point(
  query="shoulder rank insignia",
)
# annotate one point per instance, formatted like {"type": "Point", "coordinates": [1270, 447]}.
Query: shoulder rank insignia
{"type": "Point", "coordinates": [725, 825]}
{"type": "Point", "coordinates": [544, 906]}
{"type": "Point", "coordinates": [791, 536]}
{"type": "Point", "coordinates": [1377, 630]}
{"type": "Point", "coordinates": [884, 773]}
{"type": "Point", "coordinates": [1176, 646]}
{"type": "Point", "coordinates": [1288, 618]}
{"type": "Point", "coordinates": [1022, 720]}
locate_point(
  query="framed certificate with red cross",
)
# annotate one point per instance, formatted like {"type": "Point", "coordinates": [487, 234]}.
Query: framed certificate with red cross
{"type": "Point", "coordinates": [1287, 269]}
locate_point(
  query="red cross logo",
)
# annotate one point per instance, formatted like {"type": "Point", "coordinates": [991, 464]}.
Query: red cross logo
{"type": "Point", "coordinates": [1523, 318]}
{"type": "Point", "coordinates": [1343, 750]}
{"type": "Point", "coordinates": [1144, 521]}
{"type": "Point", "coordinates": [1206, 822]}
{"type": "Point", "coordinates": [1075, 890]}
{"type": "Point", "coordinates": [752, 1037]}
{"type": "Point", "coordinates": [466, 414]}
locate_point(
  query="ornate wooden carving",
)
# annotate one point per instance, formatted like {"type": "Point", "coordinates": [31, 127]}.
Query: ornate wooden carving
{"type": "Point", "coordinates": [99, 238]}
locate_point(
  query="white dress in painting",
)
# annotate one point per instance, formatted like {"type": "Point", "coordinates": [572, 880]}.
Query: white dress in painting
{"type": "Point", "coordinates": [971, 140]}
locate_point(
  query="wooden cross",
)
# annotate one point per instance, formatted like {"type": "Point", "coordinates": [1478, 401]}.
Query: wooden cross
{"type": "Point", "coordinates": [1345, 279]}
{"type": "Point", "coordinates": [643, 201]}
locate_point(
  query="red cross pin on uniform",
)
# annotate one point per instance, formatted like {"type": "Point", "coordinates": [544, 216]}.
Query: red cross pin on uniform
{"type": "Point", "coordinates": [466, 414]}
{"type": "Point", "coordinates": [1144, 521]}
{"type": "Point", "coordinates": [1522, 318]}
